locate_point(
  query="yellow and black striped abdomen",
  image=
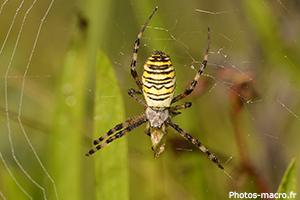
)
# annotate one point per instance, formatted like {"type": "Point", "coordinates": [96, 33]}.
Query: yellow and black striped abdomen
{"type": "Point", "coordinates": [159, 80]}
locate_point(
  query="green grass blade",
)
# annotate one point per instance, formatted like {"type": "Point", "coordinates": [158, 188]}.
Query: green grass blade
{"type": "Point", "coordinates": [288, 183]}
{"type": "Point", "coordinates": [112, 170]}
{"type": "Point", "coordinates": [66, 155]}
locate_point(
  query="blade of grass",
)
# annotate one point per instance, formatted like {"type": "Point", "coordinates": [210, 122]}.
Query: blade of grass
{"type": "Point", "coordinates": [111, 163]}
{"type": "Point", "coordinates": [68, 125]}
{"type": "Point", "coordinates": [288, 183]}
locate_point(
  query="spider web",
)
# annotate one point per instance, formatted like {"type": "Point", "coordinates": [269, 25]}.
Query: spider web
{"type": "Point", "coordinates": [248, 78]}
{"type": "Point", "coordinates": [19, 13]}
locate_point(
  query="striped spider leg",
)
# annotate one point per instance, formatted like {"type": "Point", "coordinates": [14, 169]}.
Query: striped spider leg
{"type": "Point", "coordinates": [135, 51]}
{"type": "Point", "coordinates": [190, 89]}
{"type": "Point", "coordinates": [127, 126]}
{"type": "Point", "coordinates": [187, 136]}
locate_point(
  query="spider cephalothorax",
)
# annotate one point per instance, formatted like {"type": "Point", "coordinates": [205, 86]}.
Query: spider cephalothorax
{"type": "Point", "coordinates": [158, 87]}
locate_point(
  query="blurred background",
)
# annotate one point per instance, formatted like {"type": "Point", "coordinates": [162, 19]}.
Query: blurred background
{"type": "Point", "coordinates": [245, 107]}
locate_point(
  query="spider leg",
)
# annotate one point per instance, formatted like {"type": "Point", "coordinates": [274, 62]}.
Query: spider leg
{"type": "Point", "coordinates": [187, 136]}
{"type": "Point", "coordinates": [132, 93]}
{"type": "Point", "coordinates": [190, 89]}
{"type": "Point", "coordinates": [181, 106]}
{"type": "Point", "coordinates": [173, 110]}
{"type": "Point", "coordinates": [117, 135]}
{"type": "Point", "coordinates": [147, 129]}
{"type": "Point", "coordinates": [135, 51]}
{"type": "Point", "coordinates": [119, 127]}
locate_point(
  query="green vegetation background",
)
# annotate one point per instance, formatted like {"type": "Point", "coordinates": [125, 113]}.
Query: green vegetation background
{"type": "Point", "coordinates": [245, 110]}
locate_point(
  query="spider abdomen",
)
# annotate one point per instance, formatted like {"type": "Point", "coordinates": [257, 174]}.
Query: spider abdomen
{"type": "Point", "coordinates": [159, 80]}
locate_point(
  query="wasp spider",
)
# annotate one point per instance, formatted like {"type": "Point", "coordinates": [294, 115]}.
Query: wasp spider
{"type": "Point", "coordinates": [158, 87]}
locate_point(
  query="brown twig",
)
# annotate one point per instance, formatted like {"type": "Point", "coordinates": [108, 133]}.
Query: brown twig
{"type": "Point", "coordinates": [241, 90]}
